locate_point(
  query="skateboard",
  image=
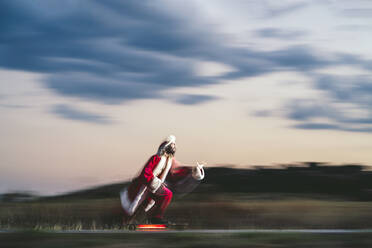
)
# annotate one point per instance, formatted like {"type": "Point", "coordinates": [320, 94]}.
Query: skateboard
{"type": "Point", "coordinates": [156, 227]}
{"type": "Point", "coordinates": [138, 222]}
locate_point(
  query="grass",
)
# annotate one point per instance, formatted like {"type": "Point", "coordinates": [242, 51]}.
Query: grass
{"type": "Point", "coordinates": [73, 215]}
{"type": "Point", "coordinates": [225, 211]}
{"type": "Point", "coordinates": [238, 211]}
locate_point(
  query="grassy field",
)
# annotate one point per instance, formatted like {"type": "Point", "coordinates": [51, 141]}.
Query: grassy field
{"type": "Point", "coordinates": [312, 195]}
{"type": "Point", "coordinates": [230, 211]}
{"type": "Point", "coordinates": [259, 240]}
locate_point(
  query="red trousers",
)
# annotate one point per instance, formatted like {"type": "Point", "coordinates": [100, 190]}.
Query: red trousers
{"type": "Point", "coordinates": [162, 198]}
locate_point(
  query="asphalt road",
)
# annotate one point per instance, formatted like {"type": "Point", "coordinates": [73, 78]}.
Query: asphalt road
{"type": "Point", "coordinates": [318, 231]}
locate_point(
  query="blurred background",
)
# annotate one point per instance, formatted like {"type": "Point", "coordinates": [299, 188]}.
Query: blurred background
{"type": "Point", "coordinates": [302, 196]}
{"type": "Point", "coordinates": [89, 89]}
{"type": "Point", "coordinates": [300, 205]}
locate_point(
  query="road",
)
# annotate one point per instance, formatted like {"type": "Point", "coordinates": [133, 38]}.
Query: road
{"type": "Point", "coordinates": [315, 231]}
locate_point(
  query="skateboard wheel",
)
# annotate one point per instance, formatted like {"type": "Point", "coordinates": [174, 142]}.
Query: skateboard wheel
{"type": "Point", "coordinates": [131, 227]}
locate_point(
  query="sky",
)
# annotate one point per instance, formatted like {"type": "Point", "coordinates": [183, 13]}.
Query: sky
{"type": "Point", "coordinates": [90, 88]}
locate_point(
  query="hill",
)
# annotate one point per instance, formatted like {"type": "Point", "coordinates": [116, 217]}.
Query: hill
{"type": "Point", "coordinates": [349, 181]}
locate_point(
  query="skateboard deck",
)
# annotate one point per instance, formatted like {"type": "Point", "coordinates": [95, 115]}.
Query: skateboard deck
{"type": "Point", "coordinates": [138, 222]}
{"type": "Point", "coordinates": [156, 227]}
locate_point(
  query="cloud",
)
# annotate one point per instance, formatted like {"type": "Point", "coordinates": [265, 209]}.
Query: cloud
{"type": "Point", "coordinates": [116, 51]}
{"type": "Point", "coordinates": [299, 58]}
{"type": "Point", "coordinates": [192, 99]}
{"type": "Point", "coordinates": [306, 110]}
{"type": "Point", "coordinates": [279, 33]}
{"type": "Point", "coordinates": [126, 46]}
{"type": "Point", "coordinates": [263, 113]}
{"type": "Point", "coordinates": [285, 9]}
{"type": "Point", "coordinates": [353, 89]}
{"type": "Point", "coordinates": [317, 126]}
{"type": "Point", "coordinates": [326, 126]}
{"type": "Point", "coordinates": [358, 13]}
{"type": "Point", "coordinates": [347, 103]}
{"type": "Point", "coordinates": [71, 113]}
{"type": "Point", "coordinates": [13, 106]}
{"type": "Point", "coordinates": [124, 51]}
{"type": "Point", "coordinates": [105, 90]}
{"type": "Point", "coordinates": [353, 27]}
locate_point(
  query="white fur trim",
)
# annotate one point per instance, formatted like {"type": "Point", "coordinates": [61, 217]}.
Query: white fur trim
{"type": "Point", "coordinates": [160, 166]}
{"type": "Point", "coordinates": [125, 202]}
{"type": "Point", "coordinates": [167, 168]}
{"type": "Point", "coordinates": [165, 163]}
{"type": "Point", "coordinates": [130, 207]}
{"type": "Point", "coordinates": [150, 205]}
{"type": "Point", "coordinates": [198, 172]}
{"type": "Point", "coordinates": [171, 139]}
{"type": "Point", "coordinates": [155, 184]}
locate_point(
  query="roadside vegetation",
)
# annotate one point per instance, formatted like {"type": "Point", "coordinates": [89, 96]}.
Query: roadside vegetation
{"type": "Point", "coordinates": [307, 196]}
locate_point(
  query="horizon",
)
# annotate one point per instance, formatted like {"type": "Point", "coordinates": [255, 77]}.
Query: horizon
{"type": "Point", "coordinates": [230, 166]}
{"type": "Point", "coordinates": [89, 89]}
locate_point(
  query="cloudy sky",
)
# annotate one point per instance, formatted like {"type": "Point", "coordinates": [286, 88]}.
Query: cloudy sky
{"type": "Point", "coordinates": [90, 88]}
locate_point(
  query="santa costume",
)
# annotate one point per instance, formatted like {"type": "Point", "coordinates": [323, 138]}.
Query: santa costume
{"type": "Point", "coordinates": [149, 187]}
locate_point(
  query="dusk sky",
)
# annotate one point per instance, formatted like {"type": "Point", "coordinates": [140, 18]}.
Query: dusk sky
{"type": "Point", "coordinates": [89, 88]}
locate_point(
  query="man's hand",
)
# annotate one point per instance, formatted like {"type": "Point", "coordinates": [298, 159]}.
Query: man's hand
{"type": "Point", "coordinates": [198, 171]}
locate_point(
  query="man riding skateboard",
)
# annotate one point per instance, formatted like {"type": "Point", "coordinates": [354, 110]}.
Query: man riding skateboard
{"type": "Point", "coordinates": [149, 187]}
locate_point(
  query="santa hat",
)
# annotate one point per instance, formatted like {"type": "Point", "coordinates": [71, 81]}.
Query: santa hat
{"type": "Point", "coordinates": [170, 139]}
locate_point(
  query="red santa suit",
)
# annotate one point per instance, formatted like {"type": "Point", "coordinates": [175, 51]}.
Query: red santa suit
{"type": "Point", "coordinates": [149, 187]}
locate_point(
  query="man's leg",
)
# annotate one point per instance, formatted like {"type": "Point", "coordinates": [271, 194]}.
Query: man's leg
{"type": "Point", "coordinates": [162, 197]}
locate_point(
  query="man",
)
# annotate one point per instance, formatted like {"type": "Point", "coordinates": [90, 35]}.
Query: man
{"type": "Point", "coordinates": [149, 187]}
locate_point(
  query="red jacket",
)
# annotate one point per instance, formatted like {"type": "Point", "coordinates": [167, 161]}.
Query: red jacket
{"type": "Point", "coordinates": [139, 189]}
